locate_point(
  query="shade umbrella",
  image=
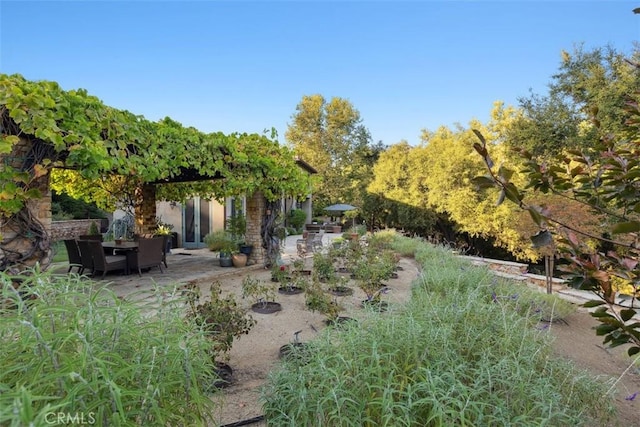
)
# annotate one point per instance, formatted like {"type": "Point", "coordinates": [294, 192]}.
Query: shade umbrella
{"type": "Point", "coordinates": [340, 208]}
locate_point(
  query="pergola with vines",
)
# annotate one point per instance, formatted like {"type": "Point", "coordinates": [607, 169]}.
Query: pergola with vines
{"type": "Point", "coordinates": [71, 141]}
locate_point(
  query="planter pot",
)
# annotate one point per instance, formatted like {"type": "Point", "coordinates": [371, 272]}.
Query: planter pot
{"type": "Point", "coordinates": [225, 260]}
{"type": "Point", "coordinates": [239, 260]}
{"type": "Point", "coordinates": [266, 307]}
{"type": "Point", "coordinates": [224, 373]}
{"type": "Point", "coordinates": [290, 290]}
{"type": "Point", "coordinates": [246, 249]}
{"type": "Point", "coordinates": [297, 351]}
{"type": "Point", "coordinates": [375, 305]}
{"type": "Point", "coordinates": [394, 275]}
{"type": "Point", "coordinates": [399, 268]}
{"type": "Point", "coordinates": [341, 291]}
{"type": "Point", "coordinates": [340, 321]}
{"type": "Point", "coordinates": [303, 272]}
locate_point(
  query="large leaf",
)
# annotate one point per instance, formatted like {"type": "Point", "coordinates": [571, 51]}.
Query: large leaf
{"type": "Point", "coordinates": [627, 314]}
{"type": "Point", "coordinates": [483, 182]}
{"type": "Point", "coordinates": [535, 215]}
{"type": "Point", "coordinates": [626, 227]}
{"type": "Point", "coordinates": [593, 303]}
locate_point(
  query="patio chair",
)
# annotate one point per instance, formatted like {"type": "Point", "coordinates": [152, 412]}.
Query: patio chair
{"type": "Point", "coordinates": [73, 252]}
{"type": "Point", "coordinates": [316, 243]}
{"type": "Point", "coordinates": [86, 259]}
{"type": "Point", "coordinates": [150, 254]}
{"type": "Point", "coordinates": [313, 243]}
{"type": "Point", "coordinates": [102, 262]}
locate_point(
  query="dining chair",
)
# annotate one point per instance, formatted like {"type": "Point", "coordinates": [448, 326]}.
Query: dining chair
{"type": "Point", "coordinates": [86, 259]}
{"type": "Point", "coordinates": [105, 263]}
{"type": "Point", "coordinates": [73, 252]}
{"type": "Point", "coordinates": [150, 253]}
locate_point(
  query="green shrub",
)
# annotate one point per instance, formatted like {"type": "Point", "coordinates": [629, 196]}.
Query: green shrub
{"type": "Point", "coordinates": [93, 229]}
{"type": "Point", "coordinates": [220, 240]}
{"type": "Point", "coordinates": [451, 356]}
{"type": "Point", "coordinates": [297, 218]}
{"type": "Point", "coordinates": [77, 348]}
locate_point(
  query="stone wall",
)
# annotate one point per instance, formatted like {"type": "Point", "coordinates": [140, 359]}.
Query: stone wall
{"type": "Point", "coordinates": [145, 209]}
{"type": "Point", "coordinates": [71, 229]}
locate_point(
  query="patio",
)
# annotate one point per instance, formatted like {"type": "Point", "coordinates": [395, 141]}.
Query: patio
{"type": "Point", "coordinates": [185, 265]}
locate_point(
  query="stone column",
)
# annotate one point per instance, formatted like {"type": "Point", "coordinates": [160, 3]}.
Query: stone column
{"type": "Point", "coordinates": [253, 235]}
{"type": "Point", "coordinates": [145, 209]}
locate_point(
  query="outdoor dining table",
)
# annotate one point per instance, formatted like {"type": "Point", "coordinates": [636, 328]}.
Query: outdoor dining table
{"type": "Point", "coordinates": [120, 246]}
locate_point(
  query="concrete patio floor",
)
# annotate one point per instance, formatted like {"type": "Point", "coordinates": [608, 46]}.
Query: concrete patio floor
{"type": "Point", "coordinates": [185, 265]}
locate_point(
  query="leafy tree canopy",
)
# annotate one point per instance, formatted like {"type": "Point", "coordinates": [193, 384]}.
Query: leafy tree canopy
{"type": "Point", "coordinates": [116, 151]}
{"type": "Point", "coordinates": [331, 137]}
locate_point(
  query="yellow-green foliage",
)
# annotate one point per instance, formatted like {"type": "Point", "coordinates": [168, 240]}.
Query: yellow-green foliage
{"type": "Point", "coordinates": [438, 174]}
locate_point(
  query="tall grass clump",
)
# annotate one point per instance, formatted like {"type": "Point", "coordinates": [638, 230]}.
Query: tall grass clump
{"type": "Point", "coordinates": [75, 350]}
{"type": "Point", "coordinates": [452, 356]}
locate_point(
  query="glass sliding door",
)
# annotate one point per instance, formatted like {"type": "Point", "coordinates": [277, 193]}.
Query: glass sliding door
{"type": "Point", "coordinates": [197, 222]}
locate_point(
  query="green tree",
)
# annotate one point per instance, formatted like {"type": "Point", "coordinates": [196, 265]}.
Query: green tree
{"type": "Point", "coordinates": [588, 84]}
{"type": "Point", "coordinates": [331, 137]}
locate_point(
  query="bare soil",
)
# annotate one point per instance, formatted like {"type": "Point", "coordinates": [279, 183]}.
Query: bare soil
{"type": "Point", "coordinates": [255, 354]}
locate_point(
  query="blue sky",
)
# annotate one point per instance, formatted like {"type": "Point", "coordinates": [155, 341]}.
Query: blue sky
{"type": "Point", "coordinates": [244, 66]}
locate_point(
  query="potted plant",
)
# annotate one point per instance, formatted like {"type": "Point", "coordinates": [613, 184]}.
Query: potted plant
{"type": "Point", "coordinates": [237, 227]}
{"type": "Point", "coordinates": [263, 295]}
{"type": "Point", "coordinates": [164, 230]}
{"type": "Point", "coordinates": [223, 242]}
{"type": "Point", "coordinates": [222, 320]}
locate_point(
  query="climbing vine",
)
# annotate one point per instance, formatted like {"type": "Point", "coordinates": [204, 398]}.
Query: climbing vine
{"type": "Point", "coordinates": [99, 152]}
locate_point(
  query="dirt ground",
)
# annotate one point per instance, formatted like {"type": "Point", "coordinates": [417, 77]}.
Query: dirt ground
{"type": "Point", "coordinates": [253, 355]}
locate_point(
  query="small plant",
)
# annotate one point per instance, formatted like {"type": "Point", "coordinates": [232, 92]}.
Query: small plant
{"type": "Point", "coordinates": [162, 228]}
{"type": "Point", "coordinates": [260, 292]}
{"type": "Point", "coordinates": [221, 241]}
{"type": "Point", "coordinates": [316, 299]}
{"type": "Point", "coordinates": [237, 226]}
{"type": "Point", "coordinates": [369, 272]}
{"type": "Point", "coordinates": [279, 273]}
{"type": "Point", "coordinates": [220, 318]}
{"type": "Point", "coordinates": [323, 266]}
{"type": "Point", "coordinates": [93, 229]}
{"type": "Point", "coordinates": [298, 265]}
{"type": "Point", "coordinates": [296, 219]}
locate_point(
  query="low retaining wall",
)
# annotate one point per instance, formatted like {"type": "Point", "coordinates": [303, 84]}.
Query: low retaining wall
{"type": "Point", "coordinates": [71, 229]}
{"type": "Point", "coordinates": [515, 271]}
